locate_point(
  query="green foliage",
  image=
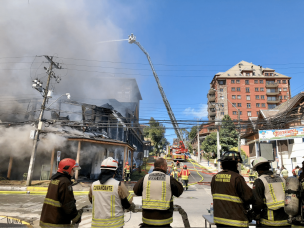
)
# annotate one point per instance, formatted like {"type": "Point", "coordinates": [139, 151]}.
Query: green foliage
{"type": "Point", "coordinates": [193, 132]}
{"type": "Point", "coordinates": [156, 132]}
{"type": "Point", "coordinates": [243, 154]}
{"type": "Point", "coordinates": [228, 137]}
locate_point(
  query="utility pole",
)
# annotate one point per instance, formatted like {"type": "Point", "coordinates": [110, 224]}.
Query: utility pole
{"type": "Point", "coordinates": [198, 143]}
{"type": "Point", "coordinates": [40, 123]}
{"type": "Point", "coordinates": [218, 149]}
{"type": "Point", "coordinates": [239, 140]}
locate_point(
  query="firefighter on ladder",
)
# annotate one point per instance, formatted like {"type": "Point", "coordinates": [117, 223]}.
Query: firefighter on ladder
{"type": "Point", "coordinates": [59, 207]}
{"type": "Point", "coordinates": [174, 174]}
{"type": "Point", "coordinates": [127, 172]}
{"type": "Point", "coordinates": [231, 195]}
{"type": "Point", "coordinates": [109, 197]}
{"type": "Point", "coordinates": [269, 194]}
{"type": "Point", "coordinates": [184, 174]}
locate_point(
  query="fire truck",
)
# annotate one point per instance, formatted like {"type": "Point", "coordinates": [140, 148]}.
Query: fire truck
{"type": "Point", "coordinates": [178, 150]}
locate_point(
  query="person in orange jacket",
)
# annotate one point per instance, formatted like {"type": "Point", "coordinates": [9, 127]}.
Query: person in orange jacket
{"type": "Point", "coordinates": [127, 172]}
{"type": "Point", "coordinates": [184, 174]}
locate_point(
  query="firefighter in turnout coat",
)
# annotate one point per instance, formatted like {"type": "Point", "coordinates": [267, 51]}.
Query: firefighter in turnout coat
{"type": "Point", "coordinates": [184, 174]}
{"type": "Point", "coordinates": [109, 197]}
{"type": "Point", "coordinates": [59, 207]}
{"type": "Point", "coordinates": [231, 195]}
{"type": "Point", "coordinates": [269, 194]}
{"type": "Point", "coordinates": [127, 172]}
{"type": "Point", "coordinates": [157, 190]}
{"type": "Point", "coordinates": [174, 174]}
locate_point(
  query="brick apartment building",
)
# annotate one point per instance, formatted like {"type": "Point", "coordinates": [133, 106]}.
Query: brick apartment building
{"type": "Point", "coordinates": [249, 88]}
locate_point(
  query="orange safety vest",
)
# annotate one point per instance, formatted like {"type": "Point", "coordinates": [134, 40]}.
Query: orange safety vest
{"type": "Point", "coordinates": [184, 174]}
{"type": "Point", "coordinates": [127, 168]}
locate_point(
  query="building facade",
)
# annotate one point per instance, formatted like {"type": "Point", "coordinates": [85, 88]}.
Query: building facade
{"type": "Point", "coordinates": [246, 87]}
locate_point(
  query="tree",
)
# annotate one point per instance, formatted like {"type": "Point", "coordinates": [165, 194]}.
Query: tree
{"type": "Point", "coordinates": [193, 132]}
{"type": "Point", "coordinates": [228, 137]}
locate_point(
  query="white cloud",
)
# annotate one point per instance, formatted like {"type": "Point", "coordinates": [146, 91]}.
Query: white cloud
{"type": "Point", "coordinates": [199, 113]}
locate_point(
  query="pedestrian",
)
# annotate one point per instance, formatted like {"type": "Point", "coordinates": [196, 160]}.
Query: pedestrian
{"type": "Point", "coordinates": [231, 195]}
{"type": "Point", "coordinates": [278, 171]}
{"type": "Point", "coordinates": [284, 172]}
{"type": "Point", "coordinates": [184, 174]}
{"type": "Point", "coordinates": [109, 197]}
{"type": "Point", "coordinates": [269, 196]}
{"type": "Point", "coordinates": [174, 174]}
{"type": "Point", "coordinates": [59, 206]}
{"type": "Point", "coordinates": [301, 173]}
{"type": "Point", "coordinates": [127, 172]}
{"type": "Point", "coordinates": [157, 191]}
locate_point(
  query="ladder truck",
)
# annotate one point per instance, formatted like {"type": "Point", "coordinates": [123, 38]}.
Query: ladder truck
{"type": "Point", "coordinates": [181, 150]}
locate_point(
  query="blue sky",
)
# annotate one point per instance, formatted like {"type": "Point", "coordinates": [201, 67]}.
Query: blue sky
{"type": "Point", "coordinates": [193, 40]}
{"type": "Point", "coordinates": [188, 42]}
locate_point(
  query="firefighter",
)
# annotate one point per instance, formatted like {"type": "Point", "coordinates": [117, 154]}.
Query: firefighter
{"type": "Point", "coordinates": [127, 172]}
{"type": "Point", "coordinates": [177, 164]}
{"type": "Point", "coordinates": [269, 196]}
{"type": "Point", "coordinates": [231, 195]}
{"type": "Point", "coordinates": [284, 173]}
{"type": "Point", "coordinates": [184, 174]}
{"type": "Point", "coordinates": [109, 197]}
{"type": "Point", "coordinates": [174, 174]}
{"type": "Point", "coordinates": [157, 190]}
{"type": "Point", "coordinates": [59, 206]}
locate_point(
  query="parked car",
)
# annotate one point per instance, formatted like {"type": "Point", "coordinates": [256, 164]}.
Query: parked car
{"type": "Point", "coordinates": [188, 155]}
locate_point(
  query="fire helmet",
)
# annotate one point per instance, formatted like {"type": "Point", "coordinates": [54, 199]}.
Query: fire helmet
{"type": "Point", "coordinates": [231, 156]}
{"type": "Point", "coordinates": [127, 163]}
{"type": "Point", "coordinates": [185, 167]}
{"type": "Point", "coordinates": [175, 168]}
{"type": "Point", "coordinates": [67, 165]}
{"type": "Point", "coordinates": [109, 163]}
{"type": "Point", "coordinates": [259, 161]}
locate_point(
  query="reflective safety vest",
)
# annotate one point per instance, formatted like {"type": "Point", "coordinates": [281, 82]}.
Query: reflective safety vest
{"type": "Point", "coordinates": [156, 191]}
{"type": "Point", "coordinates": [284, 172]}
{"type": "Point", "coordinates": [185, 174]}
{"type": "Point", "coordinates": [127, 168]}
{"type": "Point", "coordinates": [274, 191]}
{"type": "Point", "coordinates": [174, 174]}
{"type": "Point", "coordinates": [271, 222]}
{"type": "Point", "coordinates": [251, 173]}
{"type": "Point", "coordinates": [107, 210]}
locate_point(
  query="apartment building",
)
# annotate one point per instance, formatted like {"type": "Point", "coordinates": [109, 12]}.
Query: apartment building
{"type": "Point", "coordinates": [246, 87]}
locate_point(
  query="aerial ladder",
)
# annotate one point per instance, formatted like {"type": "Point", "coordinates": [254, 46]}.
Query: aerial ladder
{"type": "Point", "coordinates": [131, 40]}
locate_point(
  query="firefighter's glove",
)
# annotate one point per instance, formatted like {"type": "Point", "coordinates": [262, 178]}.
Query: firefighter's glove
{"type": "Point", "coordinates": [77, 219]}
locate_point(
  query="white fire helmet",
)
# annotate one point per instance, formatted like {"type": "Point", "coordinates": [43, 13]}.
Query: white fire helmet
{"type": "Point", "coordinates": [109, 163]}
{"type": "Point", "coordinates": [258, 161]}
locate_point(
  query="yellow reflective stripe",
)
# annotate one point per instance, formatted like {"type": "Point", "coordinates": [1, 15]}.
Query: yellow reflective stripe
{"type": "Point", "coordinates": [156, 204]}
{"type": "Point", "coordinates": [227, 197]}
{"type": "Point", "coordinates": [54, 203]}
{"type": "Point", "coordinates": [112, 206]}
{"type": "Point", "coordinates": [275, 205]}
{"type": "Point", "coordinates": [44, 224]}
{"type": "Point", "coordinates": [110, 222]}
{"type": "Point", "coordinates": [272, 193]}
{"type": "Point", "coordinates": [157, 222]}
{"type": "Point", "coordinates": [93, 206]}
{"type": "Point", "coordinates": [270, 215]}
{"type": "Point", "coordinates": [148, 190]}
{"type": "Point", "coordinates": [275, 223]}
{"type": "Point", "coordinates": [230, 222]}
{"type": "Point", "coordinates": [283, 185]}
{"type": "Point", "coordinates": [164, 191]}
{"type": "Point", "coordinates": [129, 197]}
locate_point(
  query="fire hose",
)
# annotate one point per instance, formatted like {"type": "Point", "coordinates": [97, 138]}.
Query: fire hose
{"type": "Point", "coordinates": [138, 208]}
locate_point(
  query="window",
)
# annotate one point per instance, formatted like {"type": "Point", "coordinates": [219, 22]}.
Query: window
{"type": "Point", "coordinates": [238, 81]}
{"type": "Point", "coordinates": [248, 98]}
{"type": "Point", "coordinates": [233, 96]}
{"type": "Point", "coordinates": [232, 89]}
{"type": "Point", "coordinates": [247, 82]}
{"type": "Point", "coordinates": [238, 89]}
{"type": "Point", "coordinates": [261, 89]}
{"type": "Point", "coordinates": [261, 81]}
{"type": "Point", "coordinates": [266, 74]}
{"type": "Point", "coordinates": [280, 97]}
{"type": "Point", "coordinates": [284, 89]}
{"type": "Point", "coordinates": [253, 73]}
{"type": "Point", "coordinates": [247, 90]}
{"type": "Point", "coordinates": [262, 97]}
{"type": "Point", "coordinates": [222, 113]}
{"type": "Point", "coordinates": [270, 74]}
{"type": "Point", "coordinates": [256, 89]}
{"type": "Point", "coordinates": [258, 113]}
{"type": "Point", "coordinates": [291, 141]}
{"type": "Point", "coordinates": [221, 90]}
{"type": "Point", "coordinates": [285, 97]}
{"type": "Point", "coordinates": [284, 81]}
{"type": "Point", "coordinates": [279, 81]}
{"type": "Point", "coordinates": [256, 81]}
{"type": "Point", "coordinates": [271, 106]}
{"type": "Point", "coordinates": [240, 112]}
{"type": "Point", "coordinates": [232, 81]}
{"type": "Point", "coordinates": [221, 97]}
{"type": "Point", "coordinates": [239, 104]}
{"type": "Point", "coordinates": [249, 113]}
{"type": "Point", "coordinates": [263, 105]}
{"type": "Point", "coordinates": [280, 89]}
{"type": "Point", "coordinates": [234, 104]}
{"type": "Point", "coordinates": [234, 112]}
{"type": "Point", "coordinates": [239, 97]}
{"type": "Point", "coordinates": [257, 105]}
{"type": "Point", "coordinates": [248, 105]}
{"type": "Point", "coordinates": [271, 98]}
{"type": "Point", "coordinates": [247, 74]}
{"type": "Point", "coordinates": [221, 82]}
{"type": "Point", "coordinates": [257, 97]}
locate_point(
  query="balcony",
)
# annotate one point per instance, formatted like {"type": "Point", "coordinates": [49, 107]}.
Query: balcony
{"type": "Point", "coordinates": [211, 91]}
{"type": "Point", "coordinates": [271, 84]}
{"type": "Point", "coordinates": [211, 105]}
{"type": "Point", "coordinates": [212, 113]}
{"type": "Point", "coordinates": [272, 92]}
{"type": "Point", "coordinates": [211, 98]}
{"type": "Point", "coordinates": [276, 101]}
